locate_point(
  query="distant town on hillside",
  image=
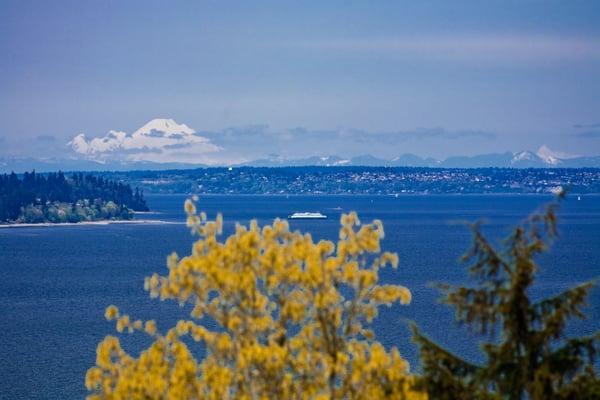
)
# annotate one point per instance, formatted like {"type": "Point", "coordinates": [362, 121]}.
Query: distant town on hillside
{"type": "Point", "coordinates": [363, 180]}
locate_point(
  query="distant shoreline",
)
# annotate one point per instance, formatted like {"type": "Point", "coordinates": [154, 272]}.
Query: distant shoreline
{"type": "Point", "coordinates": [88, 223]}
{"type": "Point", "coordinates": [395, 195]}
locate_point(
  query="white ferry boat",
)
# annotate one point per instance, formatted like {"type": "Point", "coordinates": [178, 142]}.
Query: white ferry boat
{"type": "Point", "coordinates": [307, 215]}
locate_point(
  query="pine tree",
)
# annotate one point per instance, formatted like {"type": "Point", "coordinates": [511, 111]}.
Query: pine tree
{"type": "Point", "coordinates": [528, 355]}
{"type": "Point", "coordinates": [46, 192]}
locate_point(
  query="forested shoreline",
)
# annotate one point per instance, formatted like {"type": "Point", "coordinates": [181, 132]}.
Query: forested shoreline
{"type": "Point", "coordinates": [56, 198]}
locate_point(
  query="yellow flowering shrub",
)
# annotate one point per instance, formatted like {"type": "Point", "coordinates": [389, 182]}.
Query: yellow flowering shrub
{"type": "Point", "coordinates": [292, 319]}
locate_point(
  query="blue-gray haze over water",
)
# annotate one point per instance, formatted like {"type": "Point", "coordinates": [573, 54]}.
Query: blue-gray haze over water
{"type": "Point", "coordinates": [55, 282]}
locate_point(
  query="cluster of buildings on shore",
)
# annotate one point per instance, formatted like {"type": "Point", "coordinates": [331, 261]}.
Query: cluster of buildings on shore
{"type": "Point", "coordinates": [365, 180]}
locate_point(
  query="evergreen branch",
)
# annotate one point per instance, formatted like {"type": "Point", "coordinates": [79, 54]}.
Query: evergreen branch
{"type": "Point", "coordinates": [525, 362]}
{"type": "Point", "coordinates": [445, 375]}
{"type": "Point", "coordinates": [474, 306]}
{"type": "Point", "coordinates": [552, 313]}
{"type": "Point", "coordinates": [574, 354]}
{"type": "Point", "coordinates": [487, 262]}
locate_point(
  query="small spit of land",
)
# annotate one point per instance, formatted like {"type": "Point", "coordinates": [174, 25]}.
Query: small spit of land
{"type": "Point", "coordinates": [84, 223]}
{"type": "Point", "coordinates": [57, 199]}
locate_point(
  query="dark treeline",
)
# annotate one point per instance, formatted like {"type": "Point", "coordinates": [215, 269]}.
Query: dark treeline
{"type": "Point", "coordinates": [53, 197]}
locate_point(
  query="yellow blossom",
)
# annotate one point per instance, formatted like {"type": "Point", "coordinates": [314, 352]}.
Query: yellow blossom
{"type": "Point", "coordinates": [150, 328]}
{"type": "Point", "coordinates": [291, 320]}
{"type": "Point", "coordinates": [111, 312]}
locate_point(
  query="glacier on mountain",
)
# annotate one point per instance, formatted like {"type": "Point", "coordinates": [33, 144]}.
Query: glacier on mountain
{"type": "Point", "coordinates": [159, 140]}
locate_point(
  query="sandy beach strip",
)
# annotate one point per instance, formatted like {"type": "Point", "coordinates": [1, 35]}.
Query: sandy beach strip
{"type": "Point", "coordinates": [87, 223]}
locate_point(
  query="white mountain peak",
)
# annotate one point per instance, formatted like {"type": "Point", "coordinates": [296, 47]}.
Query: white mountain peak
{"type": "Point", "coordinates": [159, 140]}
{"type": "Point", "coordinates": [551, 156]}
{"type": "Point", "coordinates": [79, 144]}
{"type": "Point", "coordinates": [165, 125]}
{"type": "Point", "coordinates": [521, 156]}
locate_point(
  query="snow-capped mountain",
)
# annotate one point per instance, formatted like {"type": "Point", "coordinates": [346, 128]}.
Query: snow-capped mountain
{"type": "Point", "coordinates": [275, 160]}
{"type": "Point", "coordinates": [543, 158]}
{"type": "Point", "coordinates": [165, 144]}
{"type": "Point", "coordinates": [553, 157]}
{"type": "Point", "coordinates": [529, 159]}
{"type": "Point", "coordinates": [159, 140]}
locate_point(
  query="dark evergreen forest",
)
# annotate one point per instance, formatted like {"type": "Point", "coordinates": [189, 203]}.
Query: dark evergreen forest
{"type": "Point", "coordinates": [53, 197]}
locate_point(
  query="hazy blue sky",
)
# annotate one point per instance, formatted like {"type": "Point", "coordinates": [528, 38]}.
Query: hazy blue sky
{"type": "Point", "coordinates": [435, 78]}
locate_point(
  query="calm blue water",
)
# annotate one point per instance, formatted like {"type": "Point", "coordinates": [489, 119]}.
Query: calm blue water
{"type": "Point", "coordinates": [55, 283]}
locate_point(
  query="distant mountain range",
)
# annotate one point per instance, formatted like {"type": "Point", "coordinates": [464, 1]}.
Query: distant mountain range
{"type": "Point", "coordinates": [156, 144]}
{"type": "Point", "coordinates": [543, 158]}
